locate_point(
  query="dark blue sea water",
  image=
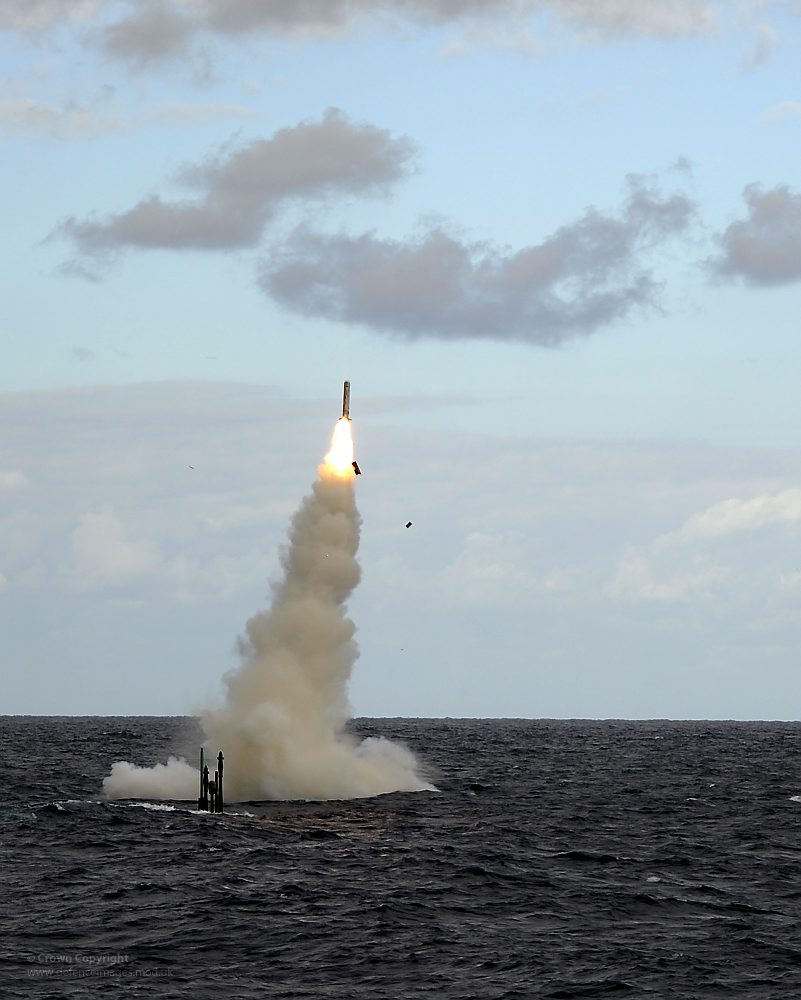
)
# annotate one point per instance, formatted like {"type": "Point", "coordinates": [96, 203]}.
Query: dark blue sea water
{"type": "Point", "coordinates": [558, 859]}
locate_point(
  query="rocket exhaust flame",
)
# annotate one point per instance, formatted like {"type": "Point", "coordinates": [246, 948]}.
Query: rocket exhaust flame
{"type": "Point", "coordinates": [339, 459]}
{"type": "Point", "coordinates": [285, 708]}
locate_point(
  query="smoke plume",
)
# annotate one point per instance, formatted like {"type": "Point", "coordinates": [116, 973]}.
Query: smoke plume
{"type": "Point", "coordinates": [282, 724]}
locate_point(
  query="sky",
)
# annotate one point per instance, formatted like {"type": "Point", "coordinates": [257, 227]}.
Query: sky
{"type": "Point", "coordinates": [555, 245]}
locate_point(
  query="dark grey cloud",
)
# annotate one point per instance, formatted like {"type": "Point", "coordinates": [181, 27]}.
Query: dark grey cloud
{"type": "Point", "coordinates": [323, 17]}
{"type": "Point", "coordinates": [657, 18]}
{"type": "Point", "coordinates": [38, 15]}
{"type": "Point", "coordinates": [159, 29]}
{"type": "Point", "coordinates": [764, 248]}
{"type": "Point", "coordinates": [237, 193]}
{"type": "Point", "coordinates": [149, 33]}
{"type": "Point", "coordinates": [580, 278]}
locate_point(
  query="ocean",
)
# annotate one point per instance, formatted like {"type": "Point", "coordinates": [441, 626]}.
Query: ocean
{"type": "Point", "coordinates": [558, 859]}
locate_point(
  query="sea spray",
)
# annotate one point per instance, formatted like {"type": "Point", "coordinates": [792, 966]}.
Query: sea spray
{"type": "Point", "coordinates": [282, 723]}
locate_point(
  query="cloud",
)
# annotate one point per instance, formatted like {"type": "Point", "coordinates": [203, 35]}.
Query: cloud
{"type": "Point", "coordinates": [319, 18]}
{"type": "Point", "coordinates": [239, 192]}
{"type": "Point", "coordinates": [221, 578]}
{"type": "Point", "coordinates": [490, 568]}
{"type": "Point", "coordinates": [518, 41]}
{"type": "Point", "coordinates": [765, 247]}
{"type": "Point", "coordinates": [731, 517]}
{"type": "Point", "coordinates": [708, 553]}
{"type": "Point", "coordinates": [642, 577]}
{"type": "Point", "coordinates": [26, 114]}
{"type": "Point", "coordinates": [666, 19]}
{"type": "Point", "coordinates": [162, 29]}
{"type": "Point", "coordinates": [105, 554]}
{"type": "Point", "coordinates": [785, 109]}
{"type": "Point", "coordinates": [150, 33]}
{"type": "Point", "coordinates": [658, 18]}
{"type": "Point", "coordinates": [583, 276]}
{"type": "Point", "coordinates": [38, 15]}
{"type": "Point", "coordinates": [762, 48]}
{"type": "Point", "coordinates": [11, 481]}
{"type": "Point", "coordinates": [114, 504]}
{"type": "Point", "coordinates": [176, 112]}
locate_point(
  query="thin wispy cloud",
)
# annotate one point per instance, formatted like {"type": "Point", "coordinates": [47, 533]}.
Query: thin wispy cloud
{"type": "Point", "coordinates": [762, 48]}
{"type": "Point", "coordinates": [783, 110]}
{"type": "Point", "coordinates": [78, 121]}
{"type": "Point", "coordinates": [23, 114]}
{"type": "Point", "coordinates": [188, 113]}
{"type": "Point", "coordinates": [665, 19]}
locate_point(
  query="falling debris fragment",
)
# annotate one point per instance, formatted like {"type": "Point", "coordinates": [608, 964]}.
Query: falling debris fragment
{"type": "Point", "coordinates": [356, 468]}
{"type": "Point", "coordinates": [408, 524]}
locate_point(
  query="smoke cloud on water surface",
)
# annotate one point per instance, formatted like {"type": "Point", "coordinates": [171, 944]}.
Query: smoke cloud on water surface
{"type": "Point", "coordinates": [282, 723]}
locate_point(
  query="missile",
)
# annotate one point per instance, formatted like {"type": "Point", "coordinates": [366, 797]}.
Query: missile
{"type": "Point", "coordinates": [346, 401]}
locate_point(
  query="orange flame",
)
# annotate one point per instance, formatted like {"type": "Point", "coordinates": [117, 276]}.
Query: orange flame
{"type": "Point", "coordinates": [339, 459]}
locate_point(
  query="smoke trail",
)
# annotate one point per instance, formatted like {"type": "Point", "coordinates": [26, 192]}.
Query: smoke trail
{"type": "Point", "coordinates": [282, 722]}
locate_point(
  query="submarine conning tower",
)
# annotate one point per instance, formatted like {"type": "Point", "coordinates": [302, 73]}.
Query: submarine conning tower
{"type": "Point", "coordinates": [211, 789]}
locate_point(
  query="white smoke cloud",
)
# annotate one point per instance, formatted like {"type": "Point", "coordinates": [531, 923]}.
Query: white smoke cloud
{"type": "Point", "coordinates": [174, 780]}
{"type": "Point", "coordinates": [282, 724]}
